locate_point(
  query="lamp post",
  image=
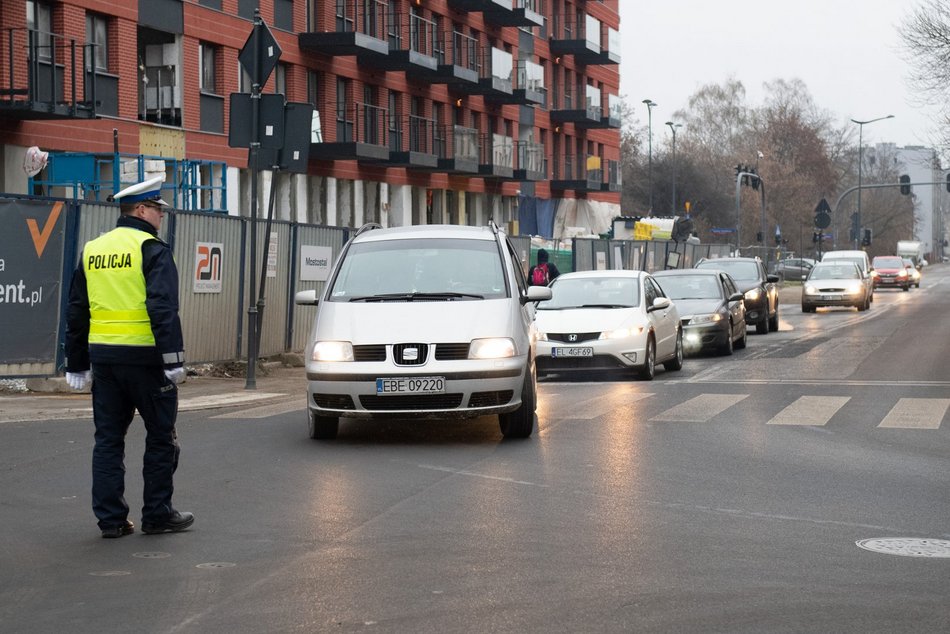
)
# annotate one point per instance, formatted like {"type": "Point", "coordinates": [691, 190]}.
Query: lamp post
{"type": "Point", "coordinates": [650, 104]}
{"type": "Point", "coordinates": [861, 124]}
{"type": "Point", "coordinates": [673, 127]}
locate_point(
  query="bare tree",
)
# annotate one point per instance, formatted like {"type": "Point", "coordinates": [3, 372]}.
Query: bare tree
{"type": "Point", "coordinates": [926, 37]}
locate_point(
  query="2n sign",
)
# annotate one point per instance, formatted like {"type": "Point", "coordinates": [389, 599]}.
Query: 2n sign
{"type": "Point", "coordinates": [208, 261]}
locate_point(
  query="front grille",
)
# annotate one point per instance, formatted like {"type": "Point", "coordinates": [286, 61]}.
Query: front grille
{"type": "Point", "coordinates": [376, 352]}
{"type": "Point", "coordinates": [487, 399]}
{"type": "Point", "coordinates": [565, 337]}
{"type": "Point", "coordinates": [334, 401]}
{"type": "Point", "coordinates": [832, 290]}
{"type": "Point", "coordinates": [410, 353]}
{"type": "Point", "coordinates": [411, 402]}
{"type": "Point", "coordinates": [451, 351]}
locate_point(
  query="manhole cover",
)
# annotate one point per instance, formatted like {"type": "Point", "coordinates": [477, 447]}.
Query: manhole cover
{"type": "Point", "coordinates": [907, 546]}
{"type": "Point", "coordinates": [216, 564]}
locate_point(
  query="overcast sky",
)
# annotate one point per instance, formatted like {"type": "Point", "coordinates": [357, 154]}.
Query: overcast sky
{"type": "Point", "coordinates": [847, 53]}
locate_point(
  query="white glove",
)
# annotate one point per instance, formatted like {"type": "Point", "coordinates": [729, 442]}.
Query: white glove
{"type": "Point", "coordinates": [175, 375]}
{"type": "Point", "coordinates": [79, 380]}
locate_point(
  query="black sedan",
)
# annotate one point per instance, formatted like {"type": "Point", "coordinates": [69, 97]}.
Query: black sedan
{"type": "Point", "coordinates": [759, 289]}
{"type": "Point", "coordinates": [711, 308]}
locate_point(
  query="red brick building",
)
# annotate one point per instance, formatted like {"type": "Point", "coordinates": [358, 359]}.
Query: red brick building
{"type": "Point", "coordinates": [429, 110]}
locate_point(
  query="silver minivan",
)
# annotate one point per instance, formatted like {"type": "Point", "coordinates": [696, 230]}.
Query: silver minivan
{"type": "Point", "coordinates": [424, 321]}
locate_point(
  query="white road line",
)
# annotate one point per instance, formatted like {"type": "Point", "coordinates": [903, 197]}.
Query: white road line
{"type": "Point", "coordinates": [916, 413]}
{"type": "Point", "coordinates": [472, 474]}
{"type": "Point", "coordinates": [700, 408]}
{"type": "Point", "coordinates": [222, 400]}
{"type": "Point", "coordinates": [810, 410]}
{"type": "Point", "coordinates": [266, 411]}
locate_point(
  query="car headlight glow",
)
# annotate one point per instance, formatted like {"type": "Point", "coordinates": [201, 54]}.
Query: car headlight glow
{"type": "Point", "coordinates": [706, 319]}
{"type": "Point", "coordinates": [332, 351]}
{"type": "Point", "coordinates": [855, 288]}
{"type": "Point", "coordinates": [492, 348]}
{"type": "Point", "coordinates": [810, 289]}
{"type": "Point", "coordinates": [754, 294]}
{"type": "Point", "coordinates": [541, 336]}
{"type": "Point", "coordinates": [902, 273]}
{"type": "Point", "coordinates": [621, 333]}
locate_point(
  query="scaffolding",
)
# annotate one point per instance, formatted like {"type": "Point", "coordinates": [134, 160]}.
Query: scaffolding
{"type": "Point", "coordinates": [190, 185]}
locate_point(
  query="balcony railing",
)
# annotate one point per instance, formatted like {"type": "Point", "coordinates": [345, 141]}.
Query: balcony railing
{"type": "Point", "coordinates": [586, 38]}
{"type": "Point", "coordinates": [361, 123]}
{"type": "Point", "coordinates": [41, 76]}
{"type": "Point", "coordinates": [531, 164]}
{"type": "Point", "coordinates": [369, 17]}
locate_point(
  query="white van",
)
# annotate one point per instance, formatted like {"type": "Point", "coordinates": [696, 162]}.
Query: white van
{"type": "Point", "coordinates": [858, 257]}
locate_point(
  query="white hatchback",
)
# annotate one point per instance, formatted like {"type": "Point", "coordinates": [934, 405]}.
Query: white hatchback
{"type": "Point", "coordinates": [608, 320]}
{"type": "Point", "coordinates": [430, 321]}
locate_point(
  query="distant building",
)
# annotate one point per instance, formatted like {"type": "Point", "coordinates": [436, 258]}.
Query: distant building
{"type": "Point", "coordinates": [447, 111]}
{"type": "Point", "coordinates": [930, 201]}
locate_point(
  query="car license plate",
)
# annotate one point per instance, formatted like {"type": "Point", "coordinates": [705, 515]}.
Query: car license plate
{"type": "Point", "coordinates": [833, 297]}
{"type": "Point", "coordinates": [410, 385]}
{"type": "Point", "coordinates": [572, 352]}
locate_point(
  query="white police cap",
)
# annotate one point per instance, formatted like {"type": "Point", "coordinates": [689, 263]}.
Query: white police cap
{"type": "Point", "coordinates": [150, 190]}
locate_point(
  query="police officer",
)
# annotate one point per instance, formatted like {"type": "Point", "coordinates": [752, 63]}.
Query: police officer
{"type": "Point", "coordinates": [122, 319]}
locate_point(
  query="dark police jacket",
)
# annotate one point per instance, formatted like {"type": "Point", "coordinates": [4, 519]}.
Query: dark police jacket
{"type": "Point", "coordinates": [161, 302]}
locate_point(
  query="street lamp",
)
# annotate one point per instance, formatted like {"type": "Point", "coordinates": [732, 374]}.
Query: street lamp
{"type": "Point", "coordinates": [857, 225]}
{"type": "Point", "coordinates": [673, 127]}
{"type": "Point", "coordinates": [650, 104]}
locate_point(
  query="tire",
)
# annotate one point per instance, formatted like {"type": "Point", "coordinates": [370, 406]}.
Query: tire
{"type": "Point", "coordinates": [740, 342]}
{"type": "Point", "coordinates": [906, 288]}
{"type": "Point", "coordinates": [520, 423]}
{"type": "Point", "coordinates": [762, 328]}
{"type": "Point", "coordinates": [773, 321]}
{"type": "Point", "coordinates": [862, 307]}
{"type": "Point", "coordinates": [322, 427]}
{"type": "Point", "coordinates": [648, 371]}
{"type": "Point", "coordinates": [726, 348]}
{"type": "Point", "coordinates": [676, 363]}
{"type": "Point", "coordinates": [807, 309]}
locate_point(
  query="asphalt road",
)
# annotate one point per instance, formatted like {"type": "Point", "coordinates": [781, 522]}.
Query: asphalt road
{"type": "Point", "coordinates": [728, 497]}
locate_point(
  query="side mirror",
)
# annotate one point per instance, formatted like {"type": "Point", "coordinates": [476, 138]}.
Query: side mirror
{"type": "Point", "coordinates": [660, 303]}
{"type": "Point", "coordinates": [536, 294]}
{"type": "Point", "coordinates": [771, 278]}
{"type": "Point", "coordinates": [736, 297]}
{"type": "Point", "coordinates": [306, 298]}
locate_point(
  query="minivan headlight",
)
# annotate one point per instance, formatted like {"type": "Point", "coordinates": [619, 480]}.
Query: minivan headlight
{"type": "Point", "coordinates": [753, 295]}
{"type": "Point", "coordinates": [332, 351]}
{"type": "Point", "coordinates": [493, 348]}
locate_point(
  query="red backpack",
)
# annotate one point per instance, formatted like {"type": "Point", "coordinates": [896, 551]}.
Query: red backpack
{"type": "Point", "coordinates": [539, 276]}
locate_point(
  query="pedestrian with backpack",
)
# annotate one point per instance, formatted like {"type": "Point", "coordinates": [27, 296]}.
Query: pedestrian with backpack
{"type": "Point", "coordinates": [542, 273]}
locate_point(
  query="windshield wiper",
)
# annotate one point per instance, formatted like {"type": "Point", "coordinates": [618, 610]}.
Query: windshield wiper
{"type": "Point", "coordinates": [604, 306]}
{"type": "Point", "coordinates": [409, 297]}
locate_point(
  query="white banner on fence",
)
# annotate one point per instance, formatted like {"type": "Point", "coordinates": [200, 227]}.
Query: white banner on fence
{"type": "Point", "coordinates": [315, 263]}
{"type": "Point", "coordinates": [209, 257]}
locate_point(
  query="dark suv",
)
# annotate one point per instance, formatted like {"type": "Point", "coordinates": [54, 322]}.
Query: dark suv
{"type": "Point", "coordinates": [757, 287]}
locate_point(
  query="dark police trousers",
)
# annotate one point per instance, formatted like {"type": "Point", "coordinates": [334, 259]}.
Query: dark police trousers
{"type": "Point", "coordinates": [117, 392]}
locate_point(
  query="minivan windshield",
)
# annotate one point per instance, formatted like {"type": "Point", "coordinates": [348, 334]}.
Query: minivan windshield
{"type": "Point", "coordinates": [430, 269]}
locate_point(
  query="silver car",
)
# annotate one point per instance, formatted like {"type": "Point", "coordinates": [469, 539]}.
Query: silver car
{"type": "Point", "coordinates": [432, 321]}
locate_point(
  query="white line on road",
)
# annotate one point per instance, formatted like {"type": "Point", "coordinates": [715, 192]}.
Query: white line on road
{"type": "Point", "coordinates": [810, 410]}
{"type": "Point", "coordinates": [472, 474]}
{"type": "Point", "coordinates": [700, 408]}
{"type": "Point", "coordinates": [916, 413]}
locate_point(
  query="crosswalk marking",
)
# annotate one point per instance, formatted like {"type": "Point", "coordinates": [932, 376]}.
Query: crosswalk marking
{"type": "Point", "coordinates": [810, 410]}
{"type": "Point", "coordinates": [700, 408]}
{"type": "Point", "coordinates": [916, 413]}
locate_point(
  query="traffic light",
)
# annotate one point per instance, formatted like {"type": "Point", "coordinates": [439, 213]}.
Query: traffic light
{"type": "Point", "coordinates": [866, 240]}
{"type": "Point", "coordinates": [816, 236]}
{"type": "Point", "coordinates": [948, 182]}
{"type": "Point", "coordinates": [905, 184]}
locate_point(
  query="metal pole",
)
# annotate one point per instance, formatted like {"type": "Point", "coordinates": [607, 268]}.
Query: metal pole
{"type": "Point", "coordinates": [650, 104]}
{"type": "Point", "coordinates": [253, 156]}
{"type": "Point", "coordinates": [861, 125]}
{"type": "Point", "coordinates": [673, 127]}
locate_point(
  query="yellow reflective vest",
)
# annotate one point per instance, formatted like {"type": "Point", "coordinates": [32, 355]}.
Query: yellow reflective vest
{"type": "Point", "coordinates": [116, 287]}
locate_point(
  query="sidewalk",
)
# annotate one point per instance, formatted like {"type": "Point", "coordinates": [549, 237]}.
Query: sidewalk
{"type": "Point", "coordinates": [45, 399]}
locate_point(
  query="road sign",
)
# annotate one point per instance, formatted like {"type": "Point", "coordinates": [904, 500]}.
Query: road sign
{"type": "Point", "coordinates": [270, 124]}
{"type": "Point", "coordinates": [719, 230]}
{"type": "Point", "coordinates": [823, 214]}
{"type": "Point", "coordinates": [268, 52]}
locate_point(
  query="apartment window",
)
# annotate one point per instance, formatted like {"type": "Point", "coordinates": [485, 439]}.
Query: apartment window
{"type": "Point", "coordinates": [39, 18]}
{"type": "Point", "coordinates": [244, 80]}
{"type": "Point", "coordinates": [207, 56]}
{"type": "Point", "coordinates": [280, 79]}
{"type": "Point", "coordinates": [97, 39]}
{"type": "Point", "coordinates": [344, 122]}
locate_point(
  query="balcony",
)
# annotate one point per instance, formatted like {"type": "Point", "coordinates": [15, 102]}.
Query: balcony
{"type": "Point", "coordinates": [529, 87]}
{"type": "Point", "coordinates": [360, 28]}
{"type": "Point", "coordinates": [360, 135]}
{"type": "Point", "coordinates": [500, 83]}
{"type": "Point", "coordinates": [614, 117]}
{"type": "Point", "coordinates": [412, 47]}
{"type": "Point", "coordinates": [580, 174]}
{"type": "Point", "coordinates": [418, 149]}
{"type": "Point", "coordinates": [614, 177]}
{"type": "Point", "coordinates": [531, 163]}
{"type": "Point", "coordinates": [496, 157]}
{"type": "Point", "coordinates": [41, 77]}
{"type": "Point", "coordinates": [459, 61]}
{"type": "Point", "coordinates": [529, 13]}
{"type": "Point", "coordinates": [586, 38]}
{"type": "Point", "coordinates": [457, 148]}
{"type": "Point", "coordinates": [568, 108]}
